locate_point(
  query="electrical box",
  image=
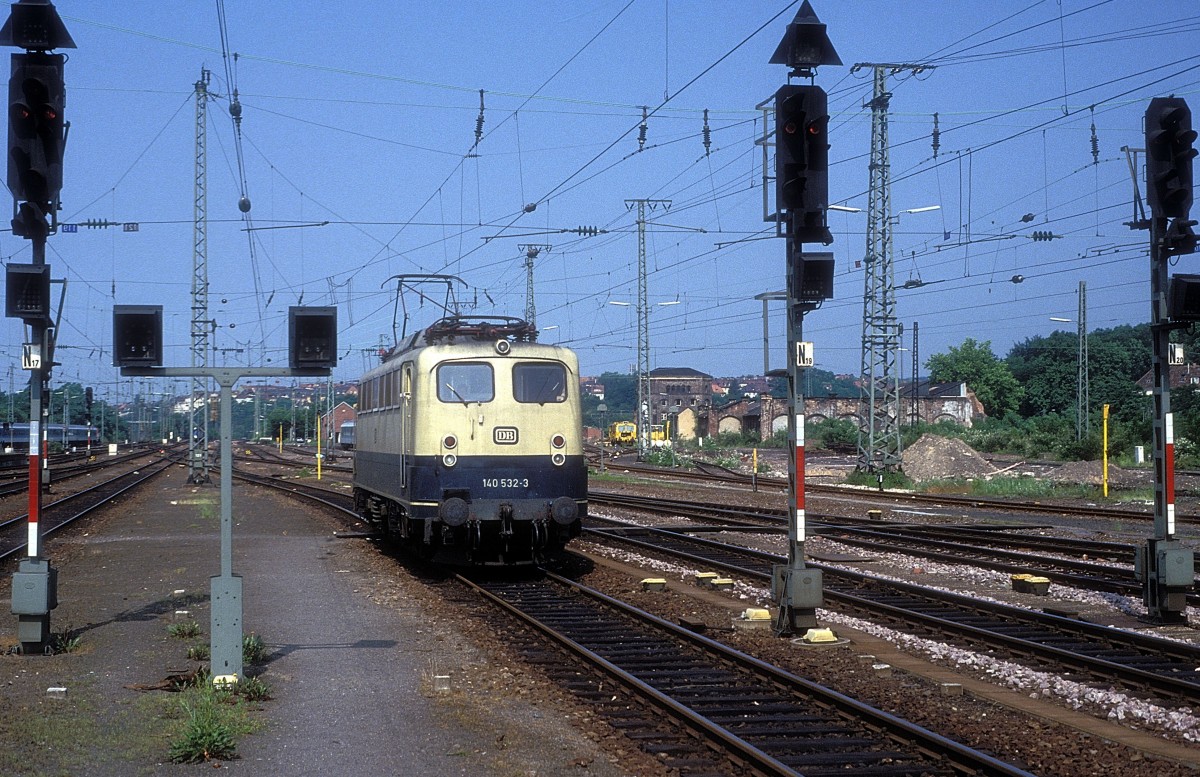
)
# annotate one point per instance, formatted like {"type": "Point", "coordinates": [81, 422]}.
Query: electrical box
{"type": "Point", "coordinates": [312, 337]}
{"type": "Point", "coordinates": [34, 588]}
{"type": "Point", "coordinates": [1176, 566]}
{"type": "Point", "coordinates": [805, 587]}
{"type": "Point", "coordinates": [137, 335]}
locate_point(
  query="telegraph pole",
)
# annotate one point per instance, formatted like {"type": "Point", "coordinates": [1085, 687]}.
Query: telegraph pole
{"type": "Point", "coordinates": [802, 201]}
{"type": "Point", "coordinates": [1164, 565]}
{"type": "Point", "coordinates": [36, 140]}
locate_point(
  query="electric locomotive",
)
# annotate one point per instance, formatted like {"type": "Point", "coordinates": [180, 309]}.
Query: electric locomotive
{"type": "Point", "coordinates": [469, 444]}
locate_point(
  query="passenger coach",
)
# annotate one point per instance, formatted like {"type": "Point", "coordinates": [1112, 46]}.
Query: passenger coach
{"type": "Point", "coordinates": [469, 443]}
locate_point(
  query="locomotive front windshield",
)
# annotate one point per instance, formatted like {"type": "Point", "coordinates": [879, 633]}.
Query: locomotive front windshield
{"type": "Point", "coordinates": [539, 383]}
{"type": "Point", "coordinates": [465, 382]}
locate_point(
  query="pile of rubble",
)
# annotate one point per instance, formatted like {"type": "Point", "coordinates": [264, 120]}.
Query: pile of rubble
{"type": "Point", "coordinates": [944, 458]}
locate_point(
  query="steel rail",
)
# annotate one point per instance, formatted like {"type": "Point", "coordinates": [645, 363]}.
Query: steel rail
{"type": "Point", "coordinates": [1178, 660]}
{"type": "Point", "coordinates": [97, 496]}
{"type": "Point", "coordinates": [952, 755]}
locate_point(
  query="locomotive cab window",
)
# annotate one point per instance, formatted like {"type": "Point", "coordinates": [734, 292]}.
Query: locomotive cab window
{"type": "Point", "coordinates": [465, 382]}
{"type": "Point", "coordinates": [539, 383]}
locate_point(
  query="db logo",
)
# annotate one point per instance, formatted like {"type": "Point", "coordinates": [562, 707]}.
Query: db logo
{"type": "Point", "coordinates": [504, 435]}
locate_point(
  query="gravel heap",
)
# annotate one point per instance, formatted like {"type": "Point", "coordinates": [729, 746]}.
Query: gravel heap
{"type": "Point", "coordinates": [1092, 473]}
{"type": "Point", "coordinates": [944, 458]}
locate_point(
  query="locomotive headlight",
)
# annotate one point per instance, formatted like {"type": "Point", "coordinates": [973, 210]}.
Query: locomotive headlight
{"type": "Point", "coordinates": [558, 441]}
{"type": "Point", "coordinates": [449, 442]}
{"type": "Point", "coordinates": [449, 460]}
{"type": "Point", "coordinates": [558, 459]}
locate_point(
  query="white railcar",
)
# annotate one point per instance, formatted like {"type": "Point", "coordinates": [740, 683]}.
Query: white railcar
{"type": "Point", "coordinates": [469, 444]}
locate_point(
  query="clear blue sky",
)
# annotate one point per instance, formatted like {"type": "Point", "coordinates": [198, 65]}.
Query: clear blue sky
{"type": "Point", "coordinates": [362, 115]}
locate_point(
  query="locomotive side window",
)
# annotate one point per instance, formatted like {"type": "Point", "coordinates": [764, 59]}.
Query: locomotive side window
{"type": "Point", "coordinates": [465, 382]}
{"type": "Point", "coordinates": [539, 383]}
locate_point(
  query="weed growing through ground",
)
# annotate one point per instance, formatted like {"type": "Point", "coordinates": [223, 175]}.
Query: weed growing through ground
{"type": "Point", "coordinates": [254, 689]}
{"type": "Point", "coordinates": [66, 641]}
{"type": "Point", "coordinates": [210, 727]}
{"type": "Point", "coordinates": [254, 650]}
{"type": "Point", "coordinates": [184, 630]}
{"type": "Point", "coordinates": [198, 653]}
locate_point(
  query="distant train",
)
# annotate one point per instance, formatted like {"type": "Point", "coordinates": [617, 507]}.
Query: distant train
{"type": "Point", "coordinates": [345, 437]}
{"type": "Point", "coordinates": [469, 444]}
{"type": "Point", "coordinates": [16, 435]}
{"type": "Point", "coordinates": [625, 433]}
{"type": "Point", "coordinates": [622, 433]}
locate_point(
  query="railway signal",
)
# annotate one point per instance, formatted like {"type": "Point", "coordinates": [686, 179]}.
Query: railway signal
{"type": "Point", "coordinates": [312, 352]}
{"type": "Point", "coordinates": [802, 159]}
{"type": "Point", "coordinates": [27, 292]}
{"type": "Point", "coordinates": [137, 335]}
{"type": "Point", "coordinates": [312, 337]}
{"type": "Point", "coordinates": [36, 128]}
{"type": "Point", "coordinates": [802, 200]}
{"type": "Point", "coordinates": [36, 134]}
{"type": "Point", "coordinates": [1169, 154]}
{"type": "Point", "coordinates": [1164, 565]}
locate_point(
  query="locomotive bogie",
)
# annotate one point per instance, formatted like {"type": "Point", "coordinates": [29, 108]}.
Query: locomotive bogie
{"type": "Point", "coordinates": [472, 450]}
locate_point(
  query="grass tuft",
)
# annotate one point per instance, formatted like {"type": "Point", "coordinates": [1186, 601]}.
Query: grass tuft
{"type": "Point", "coordinates": [66, 641]}
{"type": "Point", "coordinates": [254, 650]}
{"type": "Point", "coordinates": [210, 729]}
{"type": "Point", "coordinates": [254, 689]}
{"type": "Point", "coordinates": [184, 630]}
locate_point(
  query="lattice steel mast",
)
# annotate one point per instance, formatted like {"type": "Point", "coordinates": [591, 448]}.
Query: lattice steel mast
{"type": "Point", "coordinates": [201, 325]}
{"type": "Point", "coordinates": [879, 428]}
{"type": "Point", "coordinates": [643, 313]}
{"type": "Point", "coordinates": [1083, 385]}
{"type": "Point", "coordinates": [531, 253]}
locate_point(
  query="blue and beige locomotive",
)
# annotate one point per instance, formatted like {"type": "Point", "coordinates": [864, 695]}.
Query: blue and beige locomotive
{"type": "Point", "coordinates": [469, 444]}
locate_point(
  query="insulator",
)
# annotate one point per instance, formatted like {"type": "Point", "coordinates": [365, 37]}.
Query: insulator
{"type": "Point", "coordinates": [479, 120]}
{"type": "Point", "coordinates": [642, 128]}
{"type": "Point", "coordinates": [707, 134]}
{"type": "Point", "coordinates": [1095, 141]}
{"type": "Point", "coordinates": [937, 136]}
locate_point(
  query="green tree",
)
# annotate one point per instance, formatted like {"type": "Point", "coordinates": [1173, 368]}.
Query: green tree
{"type": "Point", "coordinates": [1048, 368]}
{"type": "Point", "coordinates": [990, 378]}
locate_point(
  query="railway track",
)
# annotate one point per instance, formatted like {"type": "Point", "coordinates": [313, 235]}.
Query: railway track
{"type": "Point", "coordinates": [68, 468]}
{"type": "Point", "coordinates": [719, 475]}
{"type": "Point", "coordinates": [763, 719]}
{"type": "Point", "coordinates": [759, 717]}
{"type": "Point", "coordinates": [57, 515]}
{"type": "Point", "coordinates": [1092, 565]}
{"type": "Point", "coordinates": [1053, 643]}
